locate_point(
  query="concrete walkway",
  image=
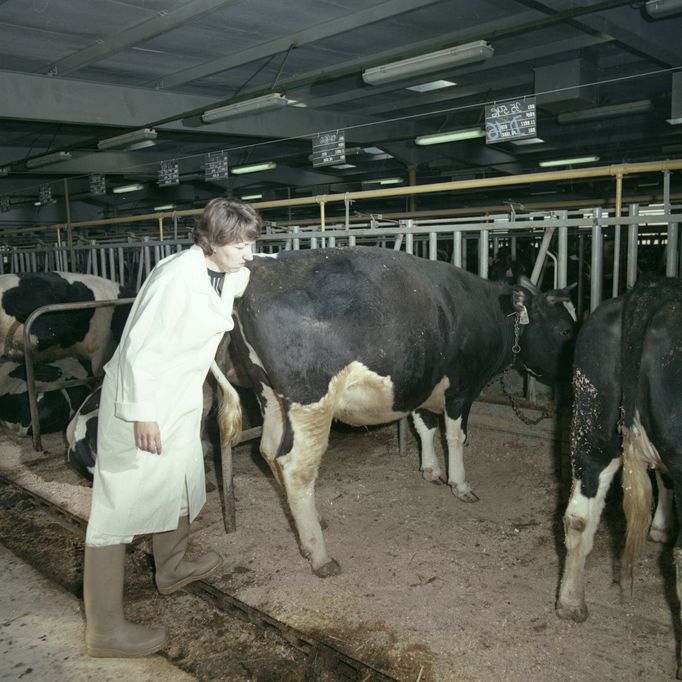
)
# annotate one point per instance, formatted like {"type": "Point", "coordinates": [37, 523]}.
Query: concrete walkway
{"type": "Point", "coordinates": [41, 635]}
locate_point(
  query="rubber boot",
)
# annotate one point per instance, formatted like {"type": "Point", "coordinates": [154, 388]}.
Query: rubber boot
{"type": "Point", "coordinates": [107, 633]}
{"type": "Point", "coordinates": [173, 571]}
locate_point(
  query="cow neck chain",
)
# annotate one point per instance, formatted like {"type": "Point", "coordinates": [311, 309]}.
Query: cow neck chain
{"type": "Point", "coordinates": [516, 348]}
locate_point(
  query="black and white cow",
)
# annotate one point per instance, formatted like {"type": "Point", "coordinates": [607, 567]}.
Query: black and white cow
{"type": "Point", "coordinates": [367, 336]}
{"type": "Point", "coordinates": [89, 334]}
{"type": "Point", "coordinates": [81, 436]}
{"type": "Point", "coordinates": [55, 406]}
{"type": "Point", "coordinates": [627, 412]}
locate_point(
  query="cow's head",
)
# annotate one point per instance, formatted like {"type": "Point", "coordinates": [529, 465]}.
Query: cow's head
{"type": "Point", "coordinates": [548, 338]}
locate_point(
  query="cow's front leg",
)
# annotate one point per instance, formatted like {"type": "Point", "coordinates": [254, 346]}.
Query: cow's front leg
{"type": "Point", "coordinates": [580, 524]}
{"type": "Point", "coordinates": [455, 437]}
{"type": "Point", "coordinates": [426, 425]}
{"type": "Point", "coordinates": [308, 432]}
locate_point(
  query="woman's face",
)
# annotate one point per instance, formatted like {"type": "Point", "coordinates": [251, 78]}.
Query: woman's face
{"type": "Point", "coordinates": [231, 257]}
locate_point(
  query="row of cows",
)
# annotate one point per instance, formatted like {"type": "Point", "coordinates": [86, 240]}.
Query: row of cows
{"type": "Point", "coordinates": [367, 336]}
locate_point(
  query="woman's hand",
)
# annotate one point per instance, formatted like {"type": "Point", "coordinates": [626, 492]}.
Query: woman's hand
{"type": "Point", "coordinates": [148, 437]}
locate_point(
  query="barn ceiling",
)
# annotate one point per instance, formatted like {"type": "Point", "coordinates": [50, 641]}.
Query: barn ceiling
{"type": "Point", "coordinates": [76, 72]}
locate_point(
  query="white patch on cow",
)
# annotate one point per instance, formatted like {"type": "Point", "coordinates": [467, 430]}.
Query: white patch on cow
{"type": "Point", "coordinates": [661, 526]}
{"type": "Point", "coordinates": [646, 451]}
{"type": "Point", "coordinates": [580, 524]}
{"type": "Point", "coordinates": [430, 467]}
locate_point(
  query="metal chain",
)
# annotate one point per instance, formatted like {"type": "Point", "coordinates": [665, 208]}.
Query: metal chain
{"type": "Point", "coordinates": [513, 401]}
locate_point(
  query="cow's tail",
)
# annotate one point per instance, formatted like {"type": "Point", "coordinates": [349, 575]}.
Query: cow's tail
{"type": "Point", "coordinates": [636, 497]}
{"type": "Point", "coordinates": [230, 409]}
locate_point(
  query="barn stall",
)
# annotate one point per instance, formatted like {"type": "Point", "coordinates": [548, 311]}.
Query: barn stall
{"type": "Point", "coordinates": [432, 588]}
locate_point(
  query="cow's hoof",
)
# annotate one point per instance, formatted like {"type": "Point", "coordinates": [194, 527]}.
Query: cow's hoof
{"type": "Point", "coordinates": [326, 570]}
{"type": "Point", "coordinates": [465, 494]}
{"type": "Point", "coordinates": [661, 535]}
{"type": "Point", "coordinates": [576, 613]}
{"type": "Point", "coordinates": [431, 475]}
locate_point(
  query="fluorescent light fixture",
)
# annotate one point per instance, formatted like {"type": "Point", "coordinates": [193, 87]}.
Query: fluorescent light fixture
{"type": "Point", "coordinates": [123, 189]}
{"type": "Point", "coordinates": [164, 207]}
{"type": "Point", "coordinates": [254, 168]}
{"type": "Point", "coordinates": [249, 106]}
{"type": "Point", "coordinates": [344, 166]}
{"type": "Point", "coordinates": [568, 162]}
{"type": "Point", "coordinates": [426, 63]}
{"type": "Point", "coordinates": [610, 111]}
{"type": "Point", "coordinates": [431, 85]}
{"type": "Point", "coordinates": [127, 139]}
{"type": "Point", "coordinates": [251, 197]}
{"type": "Point", "coordinates": [56, 157]}
{"type": "Point", "coordinates": [662, 8]}
{"type": "Point", "coordinates": [528, 140]}
{"type": "Point", "coordinates": [372, 150]}
{"type": "Point", "coordinates": [450, 136]}
{"type": "Point", "coordinates": [384, 181]}
{"type": "Point", "coordinates": [37, 203]}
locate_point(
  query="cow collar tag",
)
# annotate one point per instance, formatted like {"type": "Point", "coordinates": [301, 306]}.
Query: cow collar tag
{"type": "Point", "coordinates": [523, 316]}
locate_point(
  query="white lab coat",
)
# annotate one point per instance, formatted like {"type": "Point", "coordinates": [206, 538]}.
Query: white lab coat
{"type": "Point", "coordinates": [156, 374]}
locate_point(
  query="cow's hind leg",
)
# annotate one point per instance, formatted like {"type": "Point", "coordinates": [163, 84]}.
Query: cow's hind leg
{"type": "Point", "coordinates": [304, 442]}
{"type": "Point", "coordinates": [426, 425]}
{"type": "Point", "coordinates": [661, 526]}
{"type": "Point", "coordinates": [580, 524]}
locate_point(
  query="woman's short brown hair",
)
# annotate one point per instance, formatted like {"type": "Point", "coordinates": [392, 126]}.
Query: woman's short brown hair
{"type": "Point", "coordinates": [225, 221]}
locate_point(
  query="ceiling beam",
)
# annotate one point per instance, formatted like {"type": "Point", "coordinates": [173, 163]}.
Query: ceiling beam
{"type": "Point", "coordinates": [311, 34]}
{"type": "Point", "coordinates": [161, 23]}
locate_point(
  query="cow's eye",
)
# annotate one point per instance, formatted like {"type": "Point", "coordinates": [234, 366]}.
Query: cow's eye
{"type": "Point", "coordinates": [565, 332]}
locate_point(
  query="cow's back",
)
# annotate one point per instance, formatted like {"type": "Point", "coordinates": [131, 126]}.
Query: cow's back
{"type": "Point", "coordinates": [309, 314]}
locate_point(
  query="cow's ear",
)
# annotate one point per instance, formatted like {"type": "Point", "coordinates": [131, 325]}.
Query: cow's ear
{"type": "Point", "coordinates": [560, 295]}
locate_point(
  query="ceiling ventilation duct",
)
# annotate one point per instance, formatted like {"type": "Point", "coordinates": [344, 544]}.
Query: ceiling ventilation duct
{"type": "Point", "coordinates": [561, 87]}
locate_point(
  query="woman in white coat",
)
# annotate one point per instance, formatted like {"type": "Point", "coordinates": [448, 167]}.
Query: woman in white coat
{"type": "Point", "coordinates": [149, 474]}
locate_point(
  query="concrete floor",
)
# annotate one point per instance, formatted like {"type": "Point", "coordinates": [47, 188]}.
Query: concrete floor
{"type": "Point", "coordinates": [42, 630]}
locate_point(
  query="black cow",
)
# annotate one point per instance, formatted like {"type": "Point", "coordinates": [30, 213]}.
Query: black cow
{"type": "Point", "coordinates": [367, 336]}
{"type": "Point", "coordinates": [81, 436]}
{"type": "Point", "coordinates": [55, 406]}
{"type": "Point", "coordinates": [89, 334]}
{"type": "Point", "coordinates": [628, 411]}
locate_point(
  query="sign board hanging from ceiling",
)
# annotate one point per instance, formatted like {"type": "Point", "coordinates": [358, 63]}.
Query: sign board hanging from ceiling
{"type": "Point", "coordinates": [511, 120]}
{"type": "Point", "coordinates": [98, 184]}
{"type": "Point", "coordinates": [216, 166]}
{"type": "Point", "coordinates": [169, 174]}
{"type": "Point", "coordinates": [329, 149]}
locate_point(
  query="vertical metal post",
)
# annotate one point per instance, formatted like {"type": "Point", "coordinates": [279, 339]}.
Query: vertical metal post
{"type": "Point", "coordinates": [596, 261]}
{"type": "Point", "coordinates": [409, 236]}
{"type": "Point", "coordinates": [296, 241]}
{"type": "Point", "coordinates": [671, 246]}
{"type": "Point", "coordinates": [457, 249]}
{"type": "Point", "coordinates": [562, 244]}
{"type": "Point", "coordinates": [615, 285]}
{"type": "Point", "coordinates": [633, 236]}
{"type": "Point", "coordinates": [483, 246]}
{"type": "Point", "coordinates": [512, 245]}
{"type": "Point", "coordinates": [69, 237]}
{"type": "Point", "coordinates": [433, 246]}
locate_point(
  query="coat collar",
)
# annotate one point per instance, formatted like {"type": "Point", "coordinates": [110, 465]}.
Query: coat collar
{"type": "Point", "coordinates": [201, 282]}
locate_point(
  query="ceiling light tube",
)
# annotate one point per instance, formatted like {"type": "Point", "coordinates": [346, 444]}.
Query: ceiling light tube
{"type": "Point", "coordinates": [122, 189]}
{"type": "Point", "coordinates": [384, 181]}
{"type": "Point", "coordinates": [254, 168]}
{"type": "Point", "coordinates": [449, 136]}
{"type": "Point", "coordinates": [56, 157]}
{"type": "Point", "coordinates": [164, 207]}
{"type": "Point", "coordinates": [568, 162]}
{"type": "Point", "coordinates": [127, 139]}
{"type": "Point", "coordinates": [426, 63]}
{"type": "Point", "coordinates": [610, 111]}
{"type": "Point", "coordinates": [251, 197]}
{"type": "Point", "coordinates": [249, 106]}
{"type": "Point", "coordinates": [662, 8]}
